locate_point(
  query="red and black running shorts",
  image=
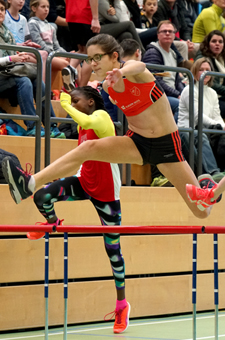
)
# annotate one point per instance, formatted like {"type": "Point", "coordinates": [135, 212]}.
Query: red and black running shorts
{"type": "Point", "coordinates": [165, 149]}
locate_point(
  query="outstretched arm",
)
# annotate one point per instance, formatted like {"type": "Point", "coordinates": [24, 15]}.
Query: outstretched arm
{"type": "Point", "coordinates": [99, 120]}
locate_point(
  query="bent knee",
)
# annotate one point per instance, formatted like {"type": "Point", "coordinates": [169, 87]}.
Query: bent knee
{"type": "Point", "coordinates": [39, 197]}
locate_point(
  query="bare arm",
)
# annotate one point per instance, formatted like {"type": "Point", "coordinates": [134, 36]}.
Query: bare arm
{"type": "Point", "coordinates": [95, 26]}
{"type": "Point", "coordinates": [134, 71]}
{"type": "Point", "coordinates": [60, 21]}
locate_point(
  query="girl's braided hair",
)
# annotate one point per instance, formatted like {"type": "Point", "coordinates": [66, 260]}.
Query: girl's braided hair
{"type": "Point", "coordinates": [89, 92]}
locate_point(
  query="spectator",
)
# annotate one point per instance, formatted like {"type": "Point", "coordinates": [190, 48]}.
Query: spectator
{"type": "Point", "coordinates": [44, 34]}
{"type": "Point", "coordinates": [149, 9]}
{"type": "Point", "coordinates": [190, 10]}
{"type": "Point", "coordinates": [82, 17]}
{"type": "Point", "coordinates": [134, 10]}
{"type": "Point", "coordinates": [213, 47]}
{"type": "Point", "coordinates": [57, 16]}
{"type": "Point", "coordinates": [17, 24]}
{"type": "Point", "coordinates": [160, 53]}
{"type": "Point", "coordinates": [146, 35]}
{"type": "Point", "coordinates": [174, 11]}
{"type": "Point", "coordinates": [109, 17]}
{"type": "Point", "coordinates": [21, 88]}
{"type": "Point", "coordinates": [211, 117]}
{"type": "Point", "coordinates": [208, 20]}
{"type": "Point", "coordinates": [131, 50]}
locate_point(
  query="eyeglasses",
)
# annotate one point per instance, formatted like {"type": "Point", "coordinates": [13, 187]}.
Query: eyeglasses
{"type": "Point", "coordinates": [167, 31]}
{"type": "Point", "coordinates": [96, 58]}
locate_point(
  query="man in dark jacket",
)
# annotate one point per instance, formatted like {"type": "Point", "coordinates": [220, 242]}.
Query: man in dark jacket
{"type": "Point", "coordinates": [160, 53]}
{"type": "Point", "coordinates": [173, 10]}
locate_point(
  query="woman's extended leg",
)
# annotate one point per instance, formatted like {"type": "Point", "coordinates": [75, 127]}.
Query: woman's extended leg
{"type": "Point", "coordinates": [180, 174]}
{"type": "Point", "coordinates": [109, 149]}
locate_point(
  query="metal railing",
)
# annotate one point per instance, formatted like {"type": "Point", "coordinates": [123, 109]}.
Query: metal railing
{"type": "Point", "coordinates": [38, 118]}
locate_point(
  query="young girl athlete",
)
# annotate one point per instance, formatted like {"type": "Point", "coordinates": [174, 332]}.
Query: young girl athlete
{"type": "Point", "coordinates": [152, 136]}
{"type": "Point", "coordinates": [88, 111]}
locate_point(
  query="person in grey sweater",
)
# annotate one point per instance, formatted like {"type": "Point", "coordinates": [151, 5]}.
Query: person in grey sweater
{"type": "Point", "coordinates": [44, 34]}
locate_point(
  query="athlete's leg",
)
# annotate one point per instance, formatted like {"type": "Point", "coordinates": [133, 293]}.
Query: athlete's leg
{"type": "Point", "coordinates": [65, 189]}
{"type": "Point", "coordinates": [180, 174]}
{"type": "Point", "coordinates": [109, 149]}
{"type": "Point", "coordinates": [110, 214]}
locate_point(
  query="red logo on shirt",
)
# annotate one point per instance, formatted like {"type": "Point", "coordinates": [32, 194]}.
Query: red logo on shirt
{"type": "Point", "coordinates": [135, 91]}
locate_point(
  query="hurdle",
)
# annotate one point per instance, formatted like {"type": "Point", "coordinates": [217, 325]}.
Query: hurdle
{"type": "Point", "coordinates": [123, 230]}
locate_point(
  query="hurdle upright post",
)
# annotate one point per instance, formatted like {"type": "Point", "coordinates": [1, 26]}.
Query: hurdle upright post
{"type": "Point", "coordinates": [216, 285]}
{"type": "Point", "coordinates": [46, 282]}
{"type": "Point", "coordinates": [65, 284]}
{"type": "Point", "coordinates": [194, 284]}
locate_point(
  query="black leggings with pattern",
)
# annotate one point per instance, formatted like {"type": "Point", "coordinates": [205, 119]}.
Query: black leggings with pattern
{"type": "Point", "coordinates": [70, 189]}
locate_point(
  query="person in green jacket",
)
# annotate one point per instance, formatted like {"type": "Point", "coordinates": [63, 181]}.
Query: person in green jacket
{"type": "Point", "coordinates": [208, 20]}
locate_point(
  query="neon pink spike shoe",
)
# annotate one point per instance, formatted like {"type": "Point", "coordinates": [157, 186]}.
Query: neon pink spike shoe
{"type": "Point", "coordinates": [200, 196]}
{"type": "Point", "coordinates": [37, 235]}
{"type": "Point", "coordinates": [121, 319]}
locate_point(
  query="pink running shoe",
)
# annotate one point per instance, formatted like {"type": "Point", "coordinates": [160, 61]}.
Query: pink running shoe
{"type": "Point", "coordinates": [37, 235]}
{"type": "Point", "coordinates": [200, 196]}
{"type": "Point", "coordinates": [121, 319]}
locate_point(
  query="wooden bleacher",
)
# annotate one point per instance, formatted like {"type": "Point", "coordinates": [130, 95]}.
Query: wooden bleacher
{"type": "Point", "coordinates": [158, 267]}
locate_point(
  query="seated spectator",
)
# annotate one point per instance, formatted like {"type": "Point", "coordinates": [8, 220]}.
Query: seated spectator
{"type": "Point", "coordinates": [21, 88]}
{"type": "Point", "coordinates": [149, 9]}
{"type": "Point", "coordinates": [208, 20]}
{"type": "Point", "coordinates": [44, 34]}
{"type": "Point", "coordinates": [211, 117]}
{"type": "Point", "coordinates": [160, 53]}
{"type": "Point", "coordinates": [174, 11]}
{"type": "Point", "coordinates": [17, 25]}
{"type": "Point", "coordinates": [109, 17]}
{"type": "Point", "coordinates": [146, 35]}
{"type": "Point", "coordinates": [57, 16]}
{"type": "Point", "coordinates": [213, 47]}
{"type": "Point", "coordinates": [134, 11]}
{"type": "Point", "coordinates": [131, 50]}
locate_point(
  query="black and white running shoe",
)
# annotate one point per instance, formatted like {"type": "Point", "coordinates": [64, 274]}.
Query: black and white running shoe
{"type": "Point", "coordinates": [17, 180]}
